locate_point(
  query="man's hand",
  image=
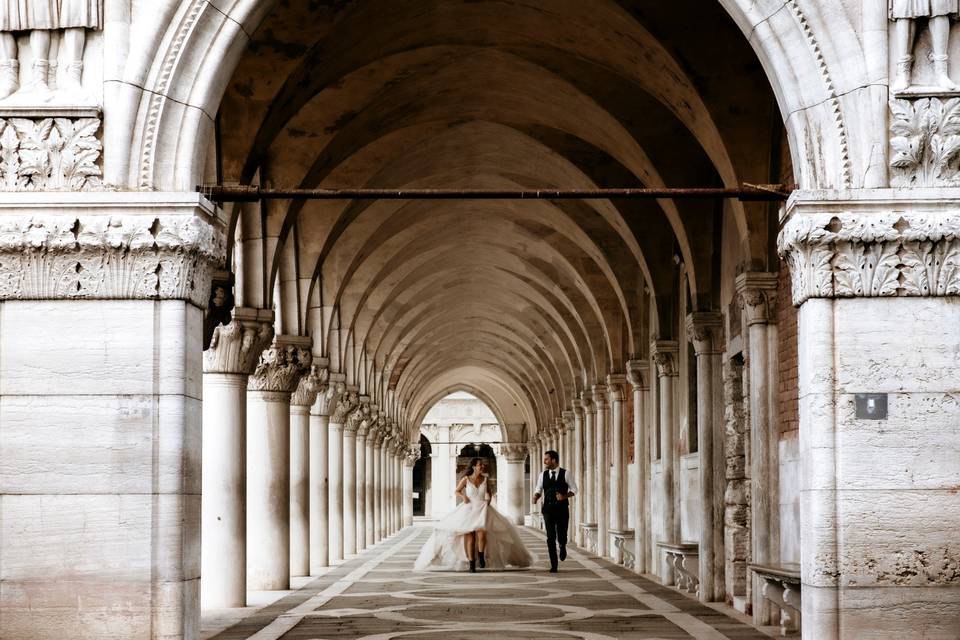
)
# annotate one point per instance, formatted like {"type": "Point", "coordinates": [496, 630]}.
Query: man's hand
{"type": "Point", "coordinates": [536, 498]}
{"type": "Point", "coordinates": [561, 496]}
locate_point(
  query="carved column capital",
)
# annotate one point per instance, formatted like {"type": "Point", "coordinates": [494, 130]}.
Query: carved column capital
{"type": "Point", "coordinates": [586, 400]}
{"type": "Point", "coordinates": [124, 246]}
{"type": "Point", "coordinates": [566, 419]}
{"type": "Point", "coordinates": [576, 406]}
{"type": "Point", "coordinates": [327, 400]}
{"type": "Point", "coordinates": [638, 374]}
{"type": "Point", "coordinates": [757, 295]}
{"type": "Point", "coordinates": [346, 404]}
{"type": "Point", "coordinates": [615, 384]}
{"type": "Point", "coordinates": [411, 455]}
{"type": "Point", "coordinates": [705, 331]}
{"type": "Point", "coordinates": [513, 451]}
{"type": "Point", "coordinates": [600, 396]}
{"type": "Point", "coordinates": [664, 354]}
{"type": "Point", "coordinates": [236, 347]}
{"type": "Point", "coordinates": [312, 384]}
{"type": "Point", "coordinates": [873, 243]}
{"type": "Point", "coordinates": [282, 364]}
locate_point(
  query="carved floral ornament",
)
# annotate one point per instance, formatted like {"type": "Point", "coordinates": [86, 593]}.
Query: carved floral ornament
{"type": "Point", "coordinates": [310, 386]}
{"type": "Point", "coordinates": [108, 257]}
{"type": "Point", "coordinates": [49, 154]}
{"type": "Point", "coordinates": [280, 368]}
{"type": "Point", "coordinates": [925, 142]}
{"type": "Point", "coordinates": [513, 452]}
{"type": "Point", "coordinates": [872, 255]}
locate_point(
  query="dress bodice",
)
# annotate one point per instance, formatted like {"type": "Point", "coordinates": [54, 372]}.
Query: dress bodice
{"type": "Point", "coordinates": [474, 492]}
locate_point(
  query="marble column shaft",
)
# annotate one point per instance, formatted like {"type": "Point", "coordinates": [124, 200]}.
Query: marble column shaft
{"type": "Point", "coordinates": [664, 353]}
{"type": "Point", "coordinates": [757, 292]}
{"type": "Point", "coordinates": [268, 461]}
{"type": "Point", "coordinates": [638, 372]}
{"type": "Point", "coordinates": [320, 523]}
{"type": "Point", "coordinates": [229, 361]}
{"type": "Point", "coordinates": [601, 502]}
{"type": "Point", "coordinates": [576, 462]}
{"type": "Point", "coordinates": [301, 403]}
{"type": "Point", "coordinates": [618, 461]}
{"type": "Point", "coordinates": [369, 527]}
{"type": "Point", "coordinates": [589, 462]}
{"type": "Point", "coordinates": [706, 332]}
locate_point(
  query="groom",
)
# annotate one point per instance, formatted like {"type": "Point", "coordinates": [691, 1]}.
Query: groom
{"type": "Point", "coordinates": [556, 487]}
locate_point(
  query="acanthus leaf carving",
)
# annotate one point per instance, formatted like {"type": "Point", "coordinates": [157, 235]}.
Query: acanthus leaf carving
{"type": "Point", "coordinates": [925, 139]}
{"type": "Point", "coordinates": [50, 154]}
{"type": "Point", "coordinates": [885, 254]}
{"type": "Point", "coordinates": [280, 367]}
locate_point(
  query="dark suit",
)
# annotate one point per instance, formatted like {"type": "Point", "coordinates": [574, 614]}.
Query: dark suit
{"type": "Point", "coordinates": [556, 513]}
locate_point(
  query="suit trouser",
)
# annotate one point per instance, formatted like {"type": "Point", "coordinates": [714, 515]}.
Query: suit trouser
{"type": "Point", "coordinates": [556, 518]}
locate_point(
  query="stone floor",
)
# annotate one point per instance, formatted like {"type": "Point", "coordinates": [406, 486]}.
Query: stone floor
{"type": "Point", "coordinates": [378, 596]}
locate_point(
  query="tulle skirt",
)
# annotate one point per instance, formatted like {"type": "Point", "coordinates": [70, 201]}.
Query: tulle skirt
{"type": "Point", "coordinates": [446, 551]}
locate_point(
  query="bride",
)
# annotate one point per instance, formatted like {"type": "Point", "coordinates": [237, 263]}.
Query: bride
{"type": "Point", "coordinates": [473, 531]}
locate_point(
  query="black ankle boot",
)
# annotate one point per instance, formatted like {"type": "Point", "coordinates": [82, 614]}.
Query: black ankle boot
{"type": "Point", "coordinates": [483, 563]}
{"type": "Point", "coordinates": [473, 566]}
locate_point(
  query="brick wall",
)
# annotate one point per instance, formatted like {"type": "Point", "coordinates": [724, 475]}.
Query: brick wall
{"type": "Point", "coordinates": [787, 376]}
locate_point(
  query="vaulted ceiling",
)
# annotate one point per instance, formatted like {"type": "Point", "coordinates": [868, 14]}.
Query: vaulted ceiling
{"type": "Point", "coordinates": [521, 301]}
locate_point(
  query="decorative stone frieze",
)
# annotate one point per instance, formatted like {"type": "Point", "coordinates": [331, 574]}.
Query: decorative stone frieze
{"type": "Point", "coordinates": [705, 330]}
{"type": "Point", "coordinates": [120, 252]}
{"type": "Point", "coordinates": [757, 295]}
{"type": "Point", "coordinates": [282, 365]}
{"type": "Point", "coordinates": [664, 356]}
{"type": "Point", "coordinates": [346, 404]}
{"type": "Point", "coordinates": [311, 385]}
{"type": "Point", "coordinates": [513, 452]}
{"type": "Point", "coordinates": [638, 374]}
{"type": "Point", "coordinates": [875, 245]}
{"type": "Point", "coordinates": [236, 347]}
{"type": "Point", "coordinates": [50, 154]}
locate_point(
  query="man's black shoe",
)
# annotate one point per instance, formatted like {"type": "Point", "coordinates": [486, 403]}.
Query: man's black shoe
{"type": "Point", "coordinates": [553, 569]}
{"type": "Point", "coordinates": [563, 552]}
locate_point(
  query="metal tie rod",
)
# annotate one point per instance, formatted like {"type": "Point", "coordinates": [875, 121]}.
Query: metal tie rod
{"type": "Point", "coordinates": [252, 193]}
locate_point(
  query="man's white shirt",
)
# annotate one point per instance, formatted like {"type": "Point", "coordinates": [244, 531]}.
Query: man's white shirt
{"type": "Point", "coordinates": [571, 483]}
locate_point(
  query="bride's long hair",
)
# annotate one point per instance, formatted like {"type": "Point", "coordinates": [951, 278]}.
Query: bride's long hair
{"type": "Point", "coordinates": [472, 466]}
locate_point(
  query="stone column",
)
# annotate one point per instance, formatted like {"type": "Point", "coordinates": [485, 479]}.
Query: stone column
{"type": "Point", "coordinates": [103, 297]}
{"type": "Point", "coordinates": [576, 461]}
{"type": "Point", "coordinates": [361, 469]}
{"type": "Point", "coordinates": [350, 427]}
{"type": "Point", "coordinates": [369, 527]}
{"type": "Point", "coordinates": [602, 476]}
{"type": "Point", "coordinates": [377, 441]}
{"type": "Point", "coordinates": [514, 456]}
{"type": "Point", "coordinates": [618, 458]}
{"type": "Point", "coordinates": [589, 449]}
{"type": "Point", "coordinates": [876, 280]}
{"type": "Point", "coordinates": [664, 354]}
{"type": "Point", "coordinates": [410, 459]}
{"type": "Point", "coordinates": [268, 461]}
{"type": "Point", "coordinates": [346, 403]}
{"type": "Point", "coordinates": [327, 398]}
{"type": "Point", "coordinates": [385, 486]}
{"type": "Point", "coordinates": [398, 456]}
{"type": "Point", "coordinates": [300, 403]}
{"type": "Point", "coordinates": [228, 362]}
{"type": "Point", "coordinates": [638, 372]}
{"type": "Point", "coordinates": [757, 293]}
{"type": "Point", "coordinates": [706, 332]}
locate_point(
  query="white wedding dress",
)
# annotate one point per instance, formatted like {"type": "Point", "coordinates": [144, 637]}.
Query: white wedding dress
{"type": "Point", "coordinates": [446, 551]}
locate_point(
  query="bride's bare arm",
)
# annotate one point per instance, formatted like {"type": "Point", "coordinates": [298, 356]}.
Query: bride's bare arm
{"type": "Point", "coordinates": [459, 490]}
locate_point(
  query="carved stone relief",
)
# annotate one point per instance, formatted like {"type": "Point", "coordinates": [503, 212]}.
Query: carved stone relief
{"type": "Point", "coordinates": [108, 257]}
{"type": "Point", "coordinates": [49, 154]}
{"type": "Point", "coordinates": [920, 48]}
{"type": "Point", "coordinates": [52, 36]}
{"type": "Point", "coordinates": [872, 254]}
{"type": "Point", "coordinates": [282, 365]}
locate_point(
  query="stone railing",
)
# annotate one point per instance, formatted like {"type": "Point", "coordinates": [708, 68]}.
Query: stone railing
{"type": "Point", "coordinates": [684, 558]}
{"type": "Point", "coordinates": [781, 586]}
{"type": "Point", "coordinates": [589, 533]}
{"type": "Point", "coordinates": [622, 544]}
